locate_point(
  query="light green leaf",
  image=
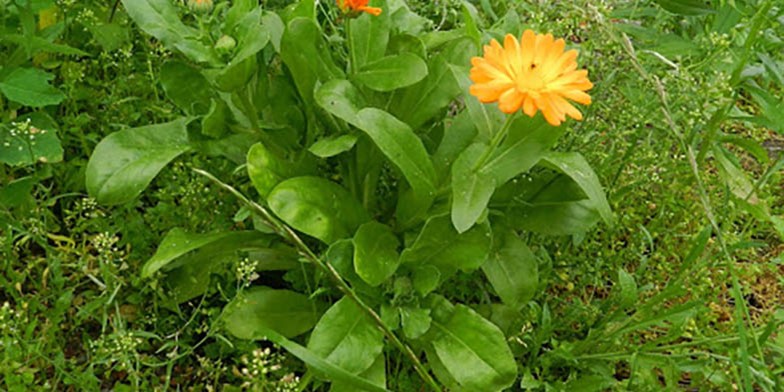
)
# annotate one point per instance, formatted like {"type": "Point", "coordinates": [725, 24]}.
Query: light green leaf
{"type": "Point", "coordinates": [392, 72]}
{"type": "Point", "coordinates": [266, 169]}
{"type": "Point", "coordinates": [125, 162]}
{"type": "Point", "coordinates": [316, 362]}
{"type": "Point", "coordinates": [575, 166]}
{"type": "Point", "coordinates": [346, 338]}
{"type": "Point", "coordinates": [416, 322]}
{"type": "Point", "coordinates": [254, 311]}
{"type": "Point", "coordinates": [401, 146]}
{"type": "Point", "coordinates": [159, 18]}
{"type": "Point", "coordinates": [317, 207]}
{"type": "Point", "coordinates": [513, 270]}
{"type": "Point", "coordinates": [375, 252]}
{"type": "Point", "coordinates": [333, 145]}
{"type": "Point", "coordinates": [369, 36]}
{"type": "Point", "coordinates": [340, 98]}
{"type": "Point", "coordinates": [474, 352]}
{"type": "Point", "coordinates": [30, 87]}
{"type": "Point", "coordinates": [471, 189]}
{"type": "Point", "coordinates": [376, 374]}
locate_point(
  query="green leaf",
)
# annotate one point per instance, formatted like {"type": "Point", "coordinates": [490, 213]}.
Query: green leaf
{"type": "Point", "coordinates": [575, 166]}
{"type": "Point", "coordinates": [513, 270]}
{"type": "Point", "coordinates": [401, 146]}
{"type": "Point", "coordinates": [305, 53]}
{"type": "Point", "coordinates": [376, 374]}
{"type": "Point", "coordinates": [333, 145]}
{"type": "Point", "coordinates": [627, 289]}
{"type": "Point", "coordinates": [487, 118]}
{"type": "Point", "coordinates": [687, 7]}
{"type": "Point", "coordinates": [346, 338]}
{"type": "Point", "coordinates": [34, 139]}
{"type": "Point", "coordinates": [416, 322]}
{"type": "Point", "coordinates": [316, 362]}
{"type": "Point", "coordinates": [214, 123]}
{"type": "Point", "coordinates": [317, 207]}
{"type": "Point", "coordinates": [254, 311]}
{"type": "Point", "coordinates": [440, 245]}
{"type": "Point", "coordinates": [176, 243]}
{"type": "Point", "coordinates": [474, 352]}
{"type": "Point", "coordinates": [186, 87]}
{"type": "Point", "coordinates": [30, 87]}
{"type": "Point", "coordinates": [419, 103]}
{"type": "Point", "coordinates": [340, 98]}
{"type": "Point", "coordinates": [17, 192]}
{"type": "Point", "coordinates": [368, 36]}
{"type": "Point", "coordinates": [125, 162]}
{"type": "Point", "coordinates": [266, 169]}
{"type": "Point", "coordinates": [392, 72]}
{"type": "Point", "coordinates": [425, 279]}
{"type": "Point", "coordinates": [528, 141]}
{"type": "Point", "coordinates": [251, 36]}
{"type": "Point", "coordinates": [159, 18]}
{"type": "Point", "coordinates": [471, 189]}
{"type": "Point", "coordinates": [189, 275]}
{"type": "Point", "coordinates": [375, 252]}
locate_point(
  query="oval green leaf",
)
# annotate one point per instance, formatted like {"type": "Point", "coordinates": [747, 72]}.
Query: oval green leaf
{"type": "Point", "coordinates": [284, 311]}
{"type": "Point", "coordinates": [392, 72]}
{"type": "Point", "coordinates": [375, 252]}
{"type": "Point", "coordinates": [317, 207]}
{"type": "Point", "coordinates": [125, 162]}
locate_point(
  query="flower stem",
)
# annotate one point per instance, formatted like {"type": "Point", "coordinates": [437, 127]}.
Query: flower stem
{"type": "Point", "coordinates": [495, 141]}
{"type": "Point", "coordinates": [286, 232]}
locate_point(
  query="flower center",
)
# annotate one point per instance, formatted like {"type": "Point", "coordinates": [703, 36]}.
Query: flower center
{"type": "Point", "coordinates": [530, 79]}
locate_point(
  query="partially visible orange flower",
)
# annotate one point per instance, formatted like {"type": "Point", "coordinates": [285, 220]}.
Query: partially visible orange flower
{"type": "Point", "coordinates": [356, 6]}
{"type": "Point", "coordinates": [533, 74]}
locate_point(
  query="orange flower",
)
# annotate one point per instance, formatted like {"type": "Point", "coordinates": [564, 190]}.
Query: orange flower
{"type": "Point", "coordinates": [533, 74]}
{"type": "Point", "coordinates": [357, 6]}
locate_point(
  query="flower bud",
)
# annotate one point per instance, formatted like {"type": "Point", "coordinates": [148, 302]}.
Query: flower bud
{"type": "Point", "coordinates": [200, 6]}
{"type": "Point", "coordinates": [225, 44]}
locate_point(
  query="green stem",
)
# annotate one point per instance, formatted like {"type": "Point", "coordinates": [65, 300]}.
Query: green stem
{"type": "Point", "coordinates": [718, 117]}
{"type": "Point", "coordinates": [495, 141]}
{"type": "Point", "coordinates": [286, 232]}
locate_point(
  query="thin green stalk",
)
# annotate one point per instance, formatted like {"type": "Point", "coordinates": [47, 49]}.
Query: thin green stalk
{"type": "Point", "coordinates": [740, 308]}
{"type": "Point", "coordinates": [495, 141]}
{"type": "Point", "coordinates": [286, 232]}
{"type": "Point", "coordinates": [719, 116]}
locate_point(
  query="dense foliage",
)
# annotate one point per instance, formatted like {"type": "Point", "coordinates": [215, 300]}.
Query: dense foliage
{"type": "Point", "coordinates": [308, 195]}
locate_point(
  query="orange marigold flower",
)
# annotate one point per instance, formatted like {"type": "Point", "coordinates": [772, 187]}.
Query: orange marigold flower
{"type": "Point", "coordinates": [356, 6]}
{"type": "Point", "coordinates": [533, 74]}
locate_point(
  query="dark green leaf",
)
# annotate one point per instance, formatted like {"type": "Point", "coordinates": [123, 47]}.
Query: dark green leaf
{"type": "Point", "coordinates": [687, 7]}
{"type": "Point", "coordinates": [176, 243]}
{"type": "Point", "coordinates": [392, 72]}
{"type": "Point", "coordinates": [30, 87]}
{"type": "Point", "coordinates": [513, 270]}
{"type": "Point", "coordinates": [186, 87]}
{"type": "Point", "coordinates": [340, 98]}
{"type": "Point", "coordinates": [254, 311]}
{"type": "Point", "coordinates": [125, 162]}
{"type": "Point", "coordinates": [31, 140]}
{"type": "Point", "coordinates": [439, 244]}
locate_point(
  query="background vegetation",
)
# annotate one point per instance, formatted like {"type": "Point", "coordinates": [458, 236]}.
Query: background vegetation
{"type": "Point", "coordinates": [683, 292]}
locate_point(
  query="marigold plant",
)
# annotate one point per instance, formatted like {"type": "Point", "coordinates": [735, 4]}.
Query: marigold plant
{"type": "Point", "coordinates": [357, 6]}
